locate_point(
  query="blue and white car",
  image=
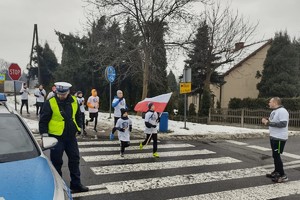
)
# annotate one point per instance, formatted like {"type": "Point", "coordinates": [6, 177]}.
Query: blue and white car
{"type": "Point", "coordinates": [25, 172]}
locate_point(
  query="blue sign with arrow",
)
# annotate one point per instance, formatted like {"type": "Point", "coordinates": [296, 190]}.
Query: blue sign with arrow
{"type": "Point", "coordinates": [110, 74]}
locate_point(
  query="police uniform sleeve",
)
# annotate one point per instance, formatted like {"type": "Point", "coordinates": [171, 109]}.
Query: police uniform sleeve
{"type": "Point", "coordinates": [78, 117]}
{"type": "Point", "coordinates": [45, 118]}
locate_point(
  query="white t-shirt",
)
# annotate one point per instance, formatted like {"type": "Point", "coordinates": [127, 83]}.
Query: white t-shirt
{"type": "Point", "coordinates": [94, 102]}
{"type": "Point", "coordinates": [117, 108]}
{"type": "Point", "coordinates": [80, 100]}
{"type": "Point", "coordinates": [277, 115]}
{"type": "Point", "coordinates": [38, 94]}
{"type": "Point", "coordinates": [25, 93]}
{"type": "Point", "coordinates": [121, 123]}
{"type": "Point", "coordinates": [152, 118]}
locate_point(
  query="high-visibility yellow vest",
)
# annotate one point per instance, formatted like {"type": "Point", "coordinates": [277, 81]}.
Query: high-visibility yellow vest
{"type": "Point", "coordinates": [56, 125]}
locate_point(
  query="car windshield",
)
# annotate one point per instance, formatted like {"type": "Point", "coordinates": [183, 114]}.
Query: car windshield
{"type": "Point", "coordinates": [15, 141]}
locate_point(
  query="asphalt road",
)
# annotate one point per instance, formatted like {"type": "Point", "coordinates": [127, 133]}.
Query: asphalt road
{"type": "Point", "coordinates": [185, 170]}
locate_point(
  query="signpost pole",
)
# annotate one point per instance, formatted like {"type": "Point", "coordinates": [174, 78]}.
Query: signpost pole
{"type": "Point", "coordinates": [109, 100]}
{"type": "Point", "coordinates": [184, 111]}
{"type": "Point", "coordinates": [15, 93]}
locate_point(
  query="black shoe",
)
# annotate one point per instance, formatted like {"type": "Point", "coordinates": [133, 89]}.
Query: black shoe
{"type": "Point", "coordinates": [95, 130]}
{"type": "Point", "coordinates": [280, 179]}
{"type": "Point", "coordinates": [273, 175]}
{"type": "Point", "coordinates": [79, 188]}
{"type": "Point", "coordinates": [86, 122]}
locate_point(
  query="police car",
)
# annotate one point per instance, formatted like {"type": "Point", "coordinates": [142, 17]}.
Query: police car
{"type": "Point", "coordinates": [25, 172]}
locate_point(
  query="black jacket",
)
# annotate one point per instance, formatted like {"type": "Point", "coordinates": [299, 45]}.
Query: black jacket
{"type": "Point", "coordinates": [66, 111]}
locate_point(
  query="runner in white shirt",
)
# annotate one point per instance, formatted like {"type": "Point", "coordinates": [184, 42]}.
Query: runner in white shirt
{"type": "Point", "coordinates": [93, 106]}
{"type": "Point", "coordinates": [24, 92]}
{"type": "Point", "coordinates": [40, 95]}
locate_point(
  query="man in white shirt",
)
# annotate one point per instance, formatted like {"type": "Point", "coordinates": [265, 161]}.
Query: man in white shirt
{"type": "Point", "coordinates": [40, 95]}
{"type": "Point", "coordinates": [278, 123]}
{"type": "Point", "coordinates": [24, 92]}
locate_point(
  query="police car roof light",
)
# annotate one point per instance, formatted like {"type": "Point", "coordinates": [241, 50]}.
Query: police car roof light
{"type": "Point", "coordinates": [2, 97]}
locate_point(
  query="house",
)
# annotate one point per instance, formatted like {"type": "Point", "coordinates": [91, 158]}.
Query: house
{"type": "Point", "coordinates": [240, 81]}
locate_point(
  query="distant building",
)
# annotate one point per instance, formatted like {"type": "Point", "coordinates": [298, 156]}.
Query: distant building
{"type": "Point", "coordinates": [240, 81]}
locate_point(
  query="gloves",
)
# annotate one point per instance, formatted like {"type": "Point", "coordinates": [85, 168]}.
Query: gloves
{"type": "Point", "coordinates": [121, 129]}
{"type": "Point", "coordinates": [153, 126]}
{"type": "Point", "coordinates": [111, 136]}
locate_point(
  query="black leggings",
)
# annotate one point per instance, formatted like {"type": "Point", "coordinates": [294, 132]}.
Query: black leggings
{"type": "Point", "coordinates": [92, 116]}
{"type": "Point", "coordinates": [123, 145]}
{"type": "Point", "coordinates": [277, 149]}
{"type": "Point", "coordinates": [24, 102]}
{"type": "Point", "coordinates": [154, 138]}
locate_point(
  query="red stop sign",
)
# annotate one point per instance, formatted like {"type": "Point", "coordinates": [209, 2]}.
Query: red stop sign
{"type": "Point", "coordinates": [14, 71]}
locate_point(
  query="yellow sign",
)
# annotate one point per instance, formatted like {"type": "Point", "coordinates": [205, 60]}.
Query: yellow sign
{"type": "Point", "coordinates": [185, 88]}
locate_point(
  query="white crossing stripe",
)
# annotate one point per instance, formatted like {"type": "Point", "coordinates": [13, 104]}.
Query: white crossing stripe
{"type": "Point", "coordinates": [271, 191]}
{"type": "Point", "coordinates": [89, 193]}
{"type": "Point", "coordinates": [259, 148]}
{"type": "Point", "coordinates": [236, 142]}
{"type": "Point", "coordinates": [286, 154]}
{"type": "Point", "coordinates": [179, 180]}
{"type": "Point", "coordinates": [117, 148]}
{"type": "Point", "coordinates": [145, 155]}
{"type": "Point", "coordinates": [116, 169]}
{"type": "Point", "coordinates": [100, 142]}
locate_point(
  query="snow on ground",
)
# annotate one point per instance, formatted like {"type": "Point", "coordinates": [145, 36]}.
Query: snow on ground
{"type": "Point", "coordinates": [175, 127]}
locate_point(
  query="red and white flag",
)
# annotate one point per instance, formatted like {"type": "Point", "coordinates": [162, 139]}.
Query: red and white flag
{"type": "Point", "coordinates": [160, 103]}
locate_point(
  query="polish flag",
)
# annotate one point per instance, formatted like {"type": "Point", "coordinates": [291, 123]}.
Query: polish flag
{"type": "Point", "coordinates": [160, 103]}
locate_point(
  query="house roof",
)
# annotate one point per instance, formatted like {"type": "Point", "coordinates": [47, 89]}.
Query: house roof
{"type": "Point", "coordinates": [247, 57]}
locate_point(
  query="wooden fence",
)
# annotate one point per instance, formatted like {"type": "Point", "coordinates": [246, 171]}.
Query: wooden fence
{"type": "Point", "coordinates": [245, 117]}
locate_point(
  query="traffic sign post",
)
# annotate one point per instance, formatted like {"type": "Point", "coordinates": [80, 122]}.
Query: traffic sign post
{"type": "Point", "coordinates": [110, 75]}
{"type": "Point", "coordinates": [14, 72]}
{"type": "Point", "coordinates": [186, 87]}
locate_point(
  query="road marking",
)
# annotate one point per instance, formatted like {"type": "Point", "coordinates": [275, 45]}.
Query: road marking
{"type": "Point", "coordinates": [271, 191]}
{"type": "Point", "coordinates": [90, 193]}
{"type": "Point", "coordinates": [290, 155]}
{"type": "Point", "coordinates": [116, 169]}
{"type": "Point", "coordinates": [179, 180]}
{"type": "Point", "coordinates": [259, 148]}
{"type": "Point", "coordinates": [87, 143]}
{"type": "Point", "coordinates": [286, 154]}
{"type": "Point", "coordinates": [117, 148]}
{"type": "Point", "coordinates": [236, 142]}
{"type": "Point", "coordinates": [145, 155]}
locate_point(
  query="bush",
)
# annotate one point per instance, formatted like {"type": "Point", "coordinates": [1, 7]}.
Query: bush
{"type": "Point", "coordinates": [192, 110]}
{"type": "Point", "coordinates": [262, 103]}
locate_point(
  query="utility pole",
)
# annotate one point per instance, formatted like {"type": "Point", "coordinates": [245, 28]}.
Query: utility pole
{"type": "Point", "coordinates": [36, 40]}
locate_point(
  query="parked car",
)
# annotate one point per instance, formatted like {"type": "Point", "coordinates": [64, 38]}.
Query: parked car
{"type": "Point", "coordinates": [25, 172]}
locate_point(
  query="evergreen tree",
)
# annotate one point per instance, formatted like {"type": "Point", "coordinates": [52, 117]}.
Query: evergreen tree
{"type": "Point", "coordinates": [172, 83]}
{"type": "Point", "coordinates": [281, 71]}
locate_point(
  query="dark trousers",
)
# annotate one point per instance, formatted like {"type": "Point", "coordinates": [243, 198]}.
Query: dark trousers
{"type": "Point", "coordinates": [92, 117]}
{"type": "Point", "coordinates": [277, 149]}
{"type": "Point", "coordinates": [154, 138]}
{"type": "Point", "coordinates": [24, 102]}
{"type": "Point", "coordinates": [70, 146]}
{"type": "Point", "coordinates": [124, 144]}
{"type": "Point", "coordinates": [39, 107]}
{"type": "Point", "coordinates": [83, 120]}
{"type": "Point", "coordinates": [116, 119]}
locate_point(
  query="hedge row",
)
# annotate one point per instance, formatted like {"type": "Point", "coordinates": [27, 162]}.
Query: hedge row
{"type": "Point", "coordinates": [262, 103]}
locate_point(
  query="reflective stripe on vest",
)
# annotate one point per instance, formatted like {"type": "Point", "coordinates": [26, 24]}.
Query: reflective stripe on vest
{"type": "Point", "coordinates": [56, 124]}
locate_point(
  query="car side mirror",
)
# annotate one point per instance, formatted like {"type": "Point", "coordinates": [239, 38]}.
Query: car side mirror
{"type": "Point", "coordinates": [48, 143]}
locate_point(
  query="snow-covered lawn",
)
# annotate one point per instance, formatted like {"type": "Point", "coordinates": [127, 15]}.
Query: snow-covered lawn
{"type": "Point", "coordinates": [175, 127]}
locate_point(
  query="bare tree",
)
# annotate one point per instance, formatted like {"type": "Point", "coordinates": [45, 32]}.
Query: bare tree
{"type": "Point", "coordinates": [3, 65]}
{"type": "Point", "coordinates": [229, 33]}
{"type": "Point", "coordinates": [144, 13]}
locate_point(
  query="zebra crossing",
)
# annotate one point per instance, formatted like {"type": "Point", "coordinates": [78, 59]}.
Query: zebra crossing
{"type": "Point", "coordinates": [103, 160]}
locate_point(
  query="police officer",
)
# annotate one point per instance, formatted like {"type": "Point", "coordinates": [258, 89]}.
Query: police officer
{"type": "Point", "coordinates": [61, 119]}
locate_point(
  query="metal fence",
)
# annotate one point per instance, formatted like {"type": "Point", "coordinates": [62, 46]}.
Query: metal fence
{"type": "Point", "coordinates": [245, 117]}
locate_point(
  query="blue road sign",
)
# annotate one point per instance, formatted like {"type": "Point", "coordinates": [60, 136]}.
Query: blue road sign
{"type": "Point", "coordinates": [110, 73]}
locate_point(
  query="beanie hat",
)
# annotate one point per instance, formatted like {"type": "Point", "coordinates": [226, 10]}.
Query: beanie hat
{"type": "Point", "coordinates": [79, 92]}
{"type": "Point", "coordinates": [150, 104]}
{"type": "Point", "coordinates": [123, 110]}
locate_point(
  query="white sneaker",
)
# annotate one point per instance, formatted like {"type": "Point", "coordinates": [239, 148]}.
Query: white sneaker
{"type": "Point", "coordinates": [96, 137]}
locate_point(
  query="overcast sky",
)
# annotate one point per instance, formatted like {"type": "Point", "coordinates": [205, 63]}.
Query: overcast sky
{"type": "Point", "coordinates": [17, 18]}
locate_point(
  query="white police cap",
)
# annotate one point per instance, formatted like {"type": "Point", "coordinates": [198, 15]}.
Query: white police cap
{"type": "Point", "coordinates": [62, 87]}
